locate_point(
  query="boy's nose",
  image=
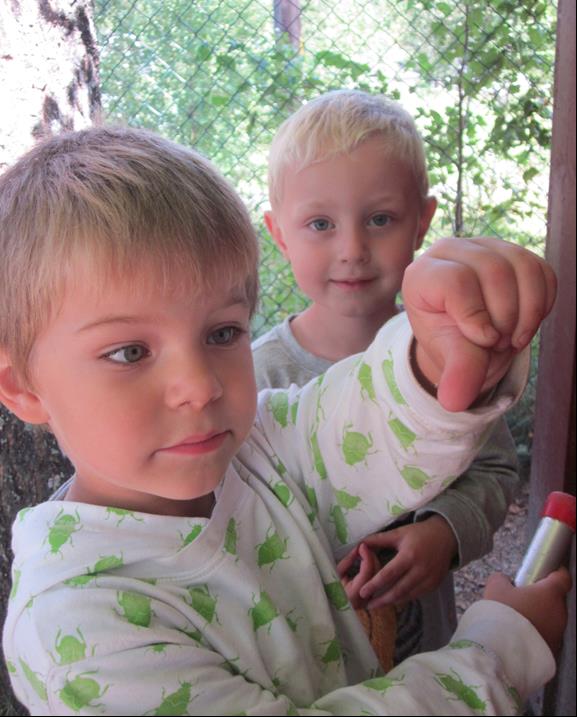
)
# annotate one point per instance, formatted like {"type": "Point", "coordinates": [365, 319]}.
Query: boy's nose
{"type": "Point", "coordinates": [353, 247]}
{"type": "Point", "coordinates": [192, 382]}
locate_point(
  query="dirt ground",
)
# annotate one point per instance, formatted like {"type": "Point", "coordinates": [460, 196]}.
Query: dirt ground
{"type": "Point", "coordinates": [509, 546]}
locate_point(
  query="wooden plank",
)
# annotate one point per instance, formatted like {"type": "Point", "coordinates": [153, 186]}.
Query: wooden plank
{"type": "Point", "coordinates": [553, 457]}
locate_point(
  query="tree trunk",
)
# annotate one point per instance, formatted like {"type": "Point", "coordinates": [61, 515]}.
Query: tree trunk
{"type": "Point", "coordinates": [48, 71]}
{"type": "Point", "coordinates": [48, 83]}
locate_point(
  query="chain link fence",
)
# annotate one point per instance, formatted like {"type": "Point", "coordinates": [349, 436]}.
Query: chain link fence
{"type": "Point", "coordinates": [221, 75]}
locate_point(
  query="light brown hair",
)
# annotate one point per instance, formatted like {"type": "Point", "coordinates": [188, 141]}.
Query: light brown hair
{"type": "Point", "coordinates": [117, 198]}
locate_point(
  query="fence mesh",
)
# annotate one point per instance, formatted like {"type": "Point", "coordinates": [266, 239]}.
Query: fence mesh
{"type": "Point", "coordinates": [222, 75]}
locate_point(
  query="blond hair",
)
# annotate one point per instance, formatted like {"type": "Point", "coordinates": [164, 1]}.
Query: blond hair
{"type": "Point", "coordinates": [337, 122]}
{"type": "Point", "coordinates": [118, 198]}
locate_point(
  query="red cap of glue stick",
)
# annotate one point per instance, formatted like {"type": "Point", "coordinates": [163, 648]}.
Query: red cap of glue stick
{"type": "Point", "coordinates": [560, 506]}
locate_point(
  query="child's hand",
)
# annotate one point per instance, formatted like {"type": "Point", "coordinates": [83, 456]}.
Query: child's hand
{"type": "Point", "coordinates": [544, 603]}
{"type": "Point", "coordinates": [368, 565]}
{"type": "Point", "coordinates": [424, 550]}
{"type": "Point", "coordinates": [474, 303]}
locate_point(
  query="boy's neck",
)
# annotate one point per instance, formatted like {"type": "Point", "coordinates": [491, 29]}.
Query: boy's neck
{"type": "Point", "coordinates": [331, 337]}
{"type": "Point", "coordinates": [200, 507]}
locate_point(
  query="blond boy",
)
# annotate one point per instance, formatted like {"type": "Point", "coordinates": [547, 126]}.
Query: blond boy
{"type": "Point", "coordinates": [189, 568]}
{"type": "Point", "coordinates": [350, 205]}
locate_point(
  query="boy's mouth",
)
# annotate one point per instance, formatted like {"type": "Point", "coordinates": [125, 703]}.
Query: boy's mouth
{"type": "Point", "coordinates": [352, 284]}
{"type": "Point", "coordinates": [197, 445]}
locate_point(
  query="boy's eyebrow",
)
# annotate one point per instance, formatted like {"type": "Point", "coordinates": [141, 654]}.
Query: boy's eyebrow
{"type": "Point", "coordinates": [317, 204]}
{"type": "Point", "coordinates": [236, 298]}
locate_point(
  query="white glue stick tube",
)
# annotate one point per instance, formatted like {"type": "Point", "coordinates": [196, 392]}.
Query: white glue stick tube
{"type": "Point", "coordinates": [551, 541]}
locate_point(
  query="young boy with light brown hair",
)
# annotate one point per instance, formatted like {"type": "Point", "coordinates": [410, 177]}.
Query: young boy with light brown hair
{"type": "Point", "coordinates": [350, 205]}
{"type": "Point", "coordinates": [185, 569]}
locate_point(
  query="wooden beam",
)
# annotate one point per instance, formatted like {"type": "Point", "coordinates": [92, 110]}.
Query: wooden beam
{"type": "Point", "coordinates": [553, 456]}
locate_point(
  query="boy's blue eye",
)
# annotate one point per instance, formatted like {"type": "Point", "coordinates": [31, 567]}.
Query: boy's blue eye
{"type": "Point", "coordinates": [128, 354]}
{"type": "Point", "coordinates": [321, 225]}
{"type": "Point", "coordinates": [224, 336]}
{"type": "Point", "coordinates": [380, 220]}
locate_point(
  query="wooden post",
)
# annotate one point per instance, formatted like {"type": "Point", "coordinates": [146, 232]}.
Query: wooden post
{"type": "Point", "coordinates": [287, 20]}
{"type": "Point", "coordinates": [553, 458]}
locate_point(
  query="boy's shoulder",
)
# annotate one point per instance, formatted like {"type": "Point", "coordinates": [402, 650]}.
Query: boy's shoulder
{"type": "Point", "coordinates": [280, 360]}
{"type": "Point", "coordinates": [276, 335]}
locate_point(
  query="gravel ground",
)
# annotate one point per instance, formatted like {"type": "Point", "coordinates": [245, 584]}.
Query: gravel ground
{"type": "Point", "coordinates": [508, 549]}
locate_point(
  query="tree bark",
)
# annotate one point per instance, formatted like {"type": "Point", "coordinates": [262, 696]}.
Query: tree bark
{"type": "Point", "coordinates": [48, 83]}
{"type": "Point", "coordinates": [48, 71]}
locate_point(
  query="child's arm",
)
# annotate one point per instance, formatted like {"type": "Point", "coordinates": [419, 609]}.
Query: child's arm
{"type": "Point", "coordinates": [543, 603]}
{"type": "Point", "coordinates": [451, 530]}
{"type": "Point", "coordinates": [109, 666]}
{"type": "Point", "coordinates": [473, 304]}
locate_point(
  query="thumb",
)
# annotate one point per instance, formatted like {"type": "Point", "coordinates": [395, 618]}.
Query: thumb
{"type": "Point", "coordinates": [497, 587]}
{"type": "Point", "coordinates": [559, 580]}
{"type": "Point", "coordinates": [465, 370]}
{"type": "Point", "coordinates": [384, 539]}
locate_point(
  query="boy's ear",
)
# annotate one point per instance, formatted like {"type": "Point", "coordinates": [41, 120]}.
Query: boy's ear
{"type": "Point", "coordinates": [275, 231]}
{"type": "Point", "coordinates": [427, 214]}
{"type": "Point", "coordinates": [18, 398]}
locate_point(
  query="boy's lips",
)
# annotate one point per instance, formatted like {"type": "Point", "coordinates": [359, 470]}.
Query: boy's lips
{"type": "Point", "coordinates": [353, 284]}
{"type": "Point", "coordinates": [198, 444]}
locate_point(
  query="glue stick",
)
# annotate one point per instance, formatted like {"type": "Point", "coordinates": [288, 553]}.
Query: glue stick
{"type": "Point", "coordinates": [551, 541]}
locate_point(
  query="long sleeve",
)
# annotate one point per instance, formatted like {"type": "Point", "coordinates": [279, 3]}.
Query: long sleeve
{"type": "Point", "coordinates": [475, 505]}
{"type": "Point", "coordinates": [367, 443]}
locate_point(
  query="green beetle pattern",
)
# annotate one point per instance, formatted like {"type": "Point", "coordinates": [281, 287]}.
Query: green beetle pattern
{"type": "Point", "coordinates": [311, 496]}
{"type": "Point", "coordinates": [389, 373]}
{"type": "Point", "coordinates": [106, 563]}
{"type": "Point", "coordinates": [191, 536]}
{"type": "Point", "coordinates": [356, 446]}
{"type": "Point", "coordinates": [337, 595]}
{"type": "Point", "coordinates": [382, 684]}
{"type": "Point", "coordinates": [283, 493]}
{"type": "Point", "coordinates": [230, 537]}
{"type": "Point", "coordinates": [176, 703]}
{"type": "Point", "coordinates": [203, 602]}
{"type": "Point", "coordinates": [278, 404]}
{"type": "Point", "coordinates": [121, 514]}
{"type": "Point", "coordinates": [272, 549]}
{"type": "Point", "coordinates": [396, 509]}
{"type": "Point", "coordinates": [61, 529]}
{"type": "Point", "coordinates": [318, 461]}
{"type": "Point", "coordinates": [404, 435]}
{"type": "Point", "coordinates": [365, 376]}
{"type": "Point", "coordinates": [69, 647]}
{"type": "Point", "coordinates": [337, 518]}
{"type": "Point", "coordinates": [15, 583]}
{"type": "Point", "coordinates": [414, 477]}
{"type": "Point", "coordinates": [136, 608]}
{"type": "Point", "coordinates": [332, 653]}
{"type": "Point", "coordinates": [461, 691]}
{"type": "Point", "coordinates": [35, 682]}
{"type": "Point", "coordinates": [346, 500]}
{"type": "Point", "coordinates": [294, 412]}
{"type": "Point", "coordinates": [81, 692]}
{"type": "Point", "coordinates": [262, 612]}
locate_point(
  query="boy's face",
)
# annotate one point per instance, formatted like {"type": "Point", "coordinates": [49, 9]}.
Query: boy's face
{"type": "Point", "coordinates": [349, 225]}
{"type": "Point", "coordinates": [150, 395]}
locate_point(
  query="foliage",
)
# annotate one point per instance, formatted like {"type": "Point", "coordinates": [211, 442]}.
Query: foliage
{"type": "Point", "coordinates": [488, 67]}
